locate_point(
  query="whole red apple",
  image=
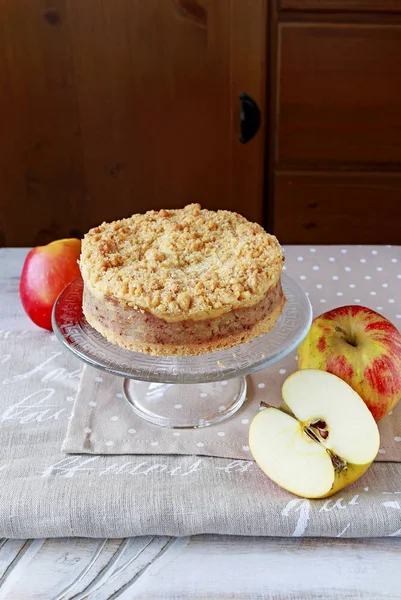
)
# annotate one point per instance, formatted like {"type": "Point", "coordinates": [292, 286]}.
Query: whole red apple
{"type": "Point", "coordinates": [46, 272]}
{"type": "Point", "coordinates": [363, 348]}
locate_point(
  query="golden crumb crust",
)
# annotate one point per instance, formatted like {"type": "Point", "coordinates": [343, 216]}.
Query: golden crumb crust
{"type": "Point", "coordinates": [178, 264]}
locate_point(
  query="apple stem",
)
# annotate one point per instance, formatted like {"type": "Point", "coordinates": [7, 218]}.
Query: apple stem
{"type": "Point", "coordinates": [345, 334]}
{"type": "Point", "coordinates": [338, 463]}
{"type": "Point", "coordinates": [285, 409]}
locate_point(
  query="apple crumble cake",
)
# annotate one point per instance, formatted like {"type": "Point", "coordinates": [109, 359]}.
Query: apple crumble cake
{"type": "Point", "coordinates": [181, 282]}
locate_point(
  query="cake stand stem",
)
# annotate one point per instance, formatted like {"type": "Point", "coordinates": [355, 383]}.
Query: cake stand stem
{"type": "Point", "coordinates": [184, 405]}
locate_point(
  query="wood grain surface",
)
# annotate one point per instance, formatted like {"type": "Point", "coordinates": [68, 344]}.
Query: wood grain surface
{"type": "Point", "coordinates": [110, 108]}
{"type": "Point", "coordinates": [200, 567]}
{"type": "Point", "coordinates": [339, 97]}
{"type": "Point", "coordinates": [336, 208]}
{"type": "Point", "coordinates": [376, 6]}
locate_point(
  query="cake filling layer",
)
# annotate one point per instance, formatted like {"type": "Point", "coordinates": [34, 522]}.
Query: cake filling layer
{"type": "Point", "coordinates": [138, 329]}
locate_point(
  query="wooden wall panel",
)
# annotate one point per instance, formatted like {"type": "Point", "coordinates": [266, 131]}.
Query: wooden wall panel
{"type": "Point", "coordinates": [342, 5]}
{"type": "Point", "coordinates": [42, 179]}
{"type": "Point", "coordinates": [160, 113]}
{"type": "Point", "coordinates": [112, 107]}
{"type": "Point", "coordinates": [338, 208]}
{"type": "Point", "coordinates": [339, 96]}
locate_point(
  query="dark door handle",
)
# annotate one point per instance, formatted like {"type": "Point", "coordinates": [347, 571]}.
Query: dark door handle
{"type": "Point", "coordinates": [250, 118]}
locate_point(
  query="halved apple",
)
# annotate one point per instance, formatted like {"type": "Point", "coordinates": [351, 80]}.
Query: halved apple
{"type": "Point", "coordinates": [320, 440]}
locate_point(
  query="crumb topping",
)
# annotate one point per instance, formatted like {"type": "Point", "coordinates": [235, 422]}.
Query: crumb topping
{"type": "Point", "coordinates": [185, 263]}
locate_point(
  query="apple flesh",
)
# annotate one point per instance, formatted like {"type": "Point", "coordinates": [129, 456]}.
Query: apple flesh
{"type": "Point", "coordinates": [46, 272]}
{"type": "Point", "coordinates": [363, 348]}
{"type": "Point", "coordinates": [320, 440]}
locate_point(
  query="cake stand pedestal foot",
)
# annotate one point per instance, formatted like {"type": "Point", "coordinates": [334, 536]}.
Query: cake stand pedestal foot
{"type": "Point", "coordinates": [183, 405]}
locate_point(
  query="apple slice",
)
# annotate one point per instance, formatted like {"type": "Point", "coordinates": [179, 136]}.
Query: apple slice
{"type": "Point", "coordinates": [320, 440]}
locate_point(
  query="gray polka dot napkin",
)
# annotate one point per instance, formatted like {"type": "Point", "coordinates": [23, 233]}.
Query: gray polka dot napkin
{"type": "Point", "coordinates": [102, 421]}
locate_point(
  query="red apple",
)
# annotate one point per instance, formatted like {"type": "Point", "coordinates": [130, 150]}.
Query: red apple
{"type": "Point", "coordinates": [363, 348]}
{"type": "Point", "coordinates": [46, 272]}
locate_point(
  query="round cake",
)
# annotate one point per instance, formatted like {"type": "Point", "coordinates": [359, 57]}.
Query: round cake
{"type": "Point", "coordinates": [181, 282]}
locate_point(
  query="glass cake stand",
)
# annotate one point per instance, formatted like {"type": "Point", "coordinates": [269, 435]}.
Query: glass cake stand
{"type": "Point", "coordinates": [183, 391]}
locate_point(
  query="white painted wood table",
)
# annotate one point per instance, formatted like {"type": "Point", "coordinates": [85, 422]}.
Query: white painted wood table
{"type": "Point", "coordinates": [206, 566]}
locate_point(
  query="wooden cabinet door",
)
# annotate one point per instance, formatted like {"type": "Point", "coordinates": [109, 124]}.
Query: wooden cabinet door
{"type": "Point", "coordinates": [110, 107]}
{"type": "Point", "coordinates": [338, 146]}
{"type": "Point", "coordinates": [338, 208]}
{"type": "Point", "coordinates": [375, 6]}
{"type": "Point", "coordinates": [339, 96]}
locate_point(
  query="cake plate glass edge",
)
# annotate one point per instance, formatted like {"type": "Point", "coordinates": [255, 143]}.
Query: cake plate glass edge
{"type": "Point", "coordinates": [155, 386]}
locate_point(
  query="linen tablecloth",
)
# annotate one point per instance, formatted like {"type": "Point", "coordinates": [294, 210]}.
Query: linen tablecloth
{"type": "Point", "coordinates": [45, 493]}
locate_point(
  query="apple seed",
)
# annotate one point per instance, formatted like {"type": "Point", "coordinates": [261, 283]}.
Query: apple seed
{"type": "Point", "coordinates": [311, 435]}
{"type": "Point", "coordinates": [321, 426]}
